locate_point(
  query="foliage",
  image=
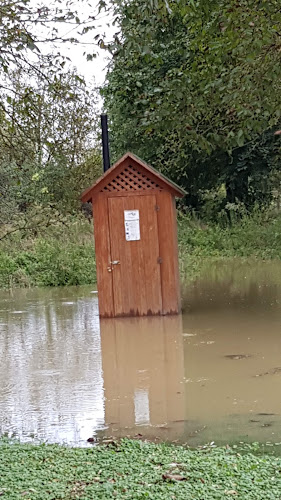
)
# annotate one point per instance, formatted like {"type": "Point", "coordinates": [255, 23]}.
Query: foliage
{"type": "Point", "coordinates": [48, 145]}
{"type": "Point", "coordinates": [62, 254]}
{"type": "Point", "coordinates": [192, 88]}
{"type": "Point", "coordinates": [27, 26]}
{"type": "Point", "coordinates": [251, 175]}
{"type": "Point", "coordinates": [256, 236]}
{"type": "Point", "coordinates": [137, 470]}
{"type": "Point", "coordinates": [47, 114]}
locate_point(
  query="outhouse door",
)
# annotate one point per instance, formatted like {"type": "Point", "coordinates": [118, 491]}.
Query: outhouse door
{"type": "Point", "coordinates": [135, 260]}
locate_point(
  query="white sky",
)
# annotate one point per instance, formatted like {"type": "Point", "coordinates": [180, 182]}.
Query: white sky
{"type": "Point", "coordinates": [95, 69]}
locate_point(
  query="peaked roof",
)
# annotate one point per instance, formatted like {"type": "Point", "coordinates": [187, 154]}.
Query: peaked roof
{"type": "Point", "coordinates": [117, 168]}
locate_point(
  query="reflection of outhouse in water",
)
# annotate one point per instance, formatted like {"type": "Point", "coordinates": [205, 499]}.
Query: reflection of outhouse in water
{"type": "Point", "coordinates": [135, 240]}
{"type": "Point", "coordinates": [143, 372]}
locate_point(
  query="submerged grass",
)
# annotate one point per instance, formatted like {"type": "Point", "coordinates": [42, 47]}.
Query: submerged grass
{"type": "Point", "coordinates": [64, 254]}
{"type": "Point", "coordinates": [137, 470]}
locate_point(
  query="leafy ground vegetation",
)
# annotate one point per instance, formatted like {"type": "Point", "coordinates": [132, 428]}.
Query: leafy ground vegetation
{"type": "Point", "coordinates": [60, 255]}
{"type": "Point", "coordinates": [63, 254]}
{"type": "Point", "coordinates": [137, 470]}
{"type": "Point", "coordinates": [254, 237]}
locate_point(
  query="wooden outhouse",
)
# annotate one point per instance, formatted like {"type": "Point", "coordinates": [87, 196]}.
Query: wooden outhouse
{"type": "Point", "coordinates": [135, 231]}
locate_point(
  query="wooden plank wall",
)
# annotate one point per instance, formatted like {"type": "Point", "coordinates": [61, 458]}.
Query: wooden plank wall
{"type": "Point", "coordinates": [168, 246]}
{"type": "Point", "coordinates": [168, 252]}
{"type": "Point", "coordinates": [137, 279]}
{"type": "Point", "coordinates": [103, 256]}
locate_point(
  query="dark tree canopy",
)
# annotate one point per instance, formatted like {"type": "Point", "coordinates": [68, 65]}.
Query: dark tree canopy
{"type": "Point", "coordinates": [193, 86]}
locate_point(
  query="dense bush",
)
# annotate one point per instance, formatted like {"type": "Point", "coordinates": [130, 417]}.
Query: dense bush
{"type": "Point", "coordinates": [60, 256]}
{"type": "Point", "coordinates": [64, 254]}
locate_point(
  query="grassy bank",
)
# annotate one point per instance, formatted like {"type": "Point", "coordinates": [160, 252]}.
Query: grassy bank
{"type": "Point", "coordinates": [137, 470]}
{"type": "Point", "coordinates": [255, 237]}
{"type": "Point", "coordinates": [59, 255]}
{"type": "Point", "coordinates": [64, 254]}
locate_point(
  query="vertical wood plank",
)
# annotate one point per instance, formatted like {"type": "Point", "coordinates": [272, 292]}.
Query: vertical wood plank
{"type": "Point", "coordinates": [122, 274]}
{"type": "Point", "coordinates": [150, 267]}
{"type": "Point", "coordinates": [168, 244]}
{"type": "Point", "coordinates": [139, 302]}
{"type": "Point", "coordinates": [103, 256]}
{"type": "Point", "coordinates": [137, 280]}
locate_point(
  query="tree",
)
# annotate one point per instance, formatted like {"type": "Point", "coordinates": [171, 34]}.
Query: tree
{"type": "Point", "coordinates": [27, 27]}
{"type": "Point", "coordinates": [47, 114]}
{"type": "Point", "coordinates": [48, 148]}
{"type": "Point", "coordinates": [29, 36]}
{"type": "Point", "coordinates": [191, 83]}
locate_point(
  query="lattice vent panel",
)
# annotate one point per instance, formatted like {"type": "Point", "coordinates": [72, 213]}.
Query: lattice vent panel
{"type": "Point", "coordinates": [131, 179]}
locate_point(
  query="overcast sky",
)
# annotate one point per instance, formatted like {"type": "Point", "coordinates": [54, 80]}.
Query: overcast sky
{"type": "Point", "coordinates": [95, 69]}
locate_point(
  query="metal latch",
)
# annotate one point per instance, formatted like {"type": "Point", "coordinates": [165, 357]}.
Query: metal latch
{"type": "Point", "coordinates": [115, 262]}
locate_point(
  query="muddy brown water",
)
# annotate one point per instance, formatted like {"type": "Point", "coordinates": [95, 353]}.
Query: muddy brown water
{"type": "Point", "coordinates": [212, 374]}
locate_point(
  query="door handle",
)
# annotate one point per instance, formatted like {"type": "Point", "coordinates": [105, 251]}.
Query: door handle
{"type": "Point", "coordinates": [115, 262]}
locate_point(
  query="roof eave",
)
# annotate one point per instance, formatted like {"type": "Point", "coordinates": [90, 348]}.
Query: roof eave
{"type": "Point", "coordinates": [176, 190]}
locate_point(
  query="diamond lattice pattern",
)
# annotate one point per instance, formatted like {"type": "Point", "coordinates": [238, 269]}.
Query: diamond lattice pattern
{"type": "Point", "coordinates": [131, 179]}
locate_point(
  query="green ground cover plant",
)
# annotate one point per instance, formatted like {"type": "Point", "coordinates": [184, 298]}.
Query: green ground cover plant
{"type": "Point", "coordinates": [137, 470]}
{"type": "Point", "coordinates": [64, 253]}
{"type": "Point", "coordinates": [59, 255]}
{"type": "Point", "coordinates": [250, 237]}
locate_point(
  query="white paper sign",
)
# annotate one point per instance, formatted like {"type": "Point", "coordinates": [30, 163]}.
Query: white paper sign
{"type": "Point", "coordinates": [131, 214]}
{"type": "Point", "coordinates": [132, 225]}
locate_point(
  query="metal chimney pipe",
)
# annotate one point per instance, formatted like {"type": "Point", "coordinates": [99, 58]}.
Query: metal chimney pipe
{"type": "Point", "coordinates": [105, 144]}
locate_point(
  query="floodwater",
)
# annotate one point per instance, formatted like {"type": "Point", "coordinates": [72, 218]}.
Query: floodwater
{"type": "Point", "coordinates": [212, 374]}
